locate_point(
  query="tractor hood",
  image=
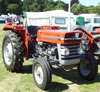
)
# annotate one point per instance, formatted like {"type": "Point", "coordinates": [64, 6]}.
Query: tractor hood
{"type": "Point", "coordinates": [54, 35]}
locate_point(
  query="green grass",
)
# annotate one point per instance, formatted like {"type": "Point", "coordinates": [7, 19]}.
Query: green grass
{"type": "Point", "coordinates": [62, 81]}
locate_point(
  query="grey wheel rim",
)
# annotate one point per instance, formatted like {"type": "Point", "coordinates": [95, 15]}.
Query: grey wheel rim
{"type": "Point", "coordinates": [38, 74]}
{"type": "Point", "coordinates": [85, 67]}
{"type": "Point", "coordinates": [8, 52]}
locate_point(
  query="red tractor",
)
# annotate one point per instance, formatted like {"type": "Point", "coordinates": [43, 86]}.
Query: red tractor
{"type": "Point", "coordinates": [48, 46]}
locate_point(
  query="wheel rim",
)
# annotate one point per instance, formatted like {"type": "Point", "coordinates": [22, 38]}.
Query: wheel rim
{"type": "Point", "coordinates": [85, 67]}
{"type": "Point", "coordinates": [8, 52]}
{"type": "Point", "coordinates": [38, 72]}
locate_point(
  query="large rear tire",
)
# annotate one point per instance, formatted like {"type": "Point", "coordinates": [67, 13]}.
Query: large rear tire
{"type": "Point", "coordinates": [42, 73]}
{"type": "Point", "coordinates": [88, 67]}
{"type": "Point", "coordinates": [12, 52]}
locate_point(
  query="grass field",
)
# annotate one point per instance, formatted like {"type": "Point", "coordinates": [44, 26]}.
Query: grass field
{"type": "Point", "coordinates": [62, 81]}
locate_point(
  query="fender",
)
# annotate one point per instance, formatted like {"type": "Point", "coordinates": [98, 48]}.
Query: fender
{"type": "Point", "coordinates": [89, 35]}
{"type": "Point", "coordinates": [21, 31]}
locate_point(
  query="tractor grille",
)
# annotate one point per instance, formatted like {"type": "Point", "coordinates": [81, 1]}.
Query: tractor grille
{"type": "Point", "coordinates": [73, 37]}
{"type": "Point", "coordinates": [73, 51]}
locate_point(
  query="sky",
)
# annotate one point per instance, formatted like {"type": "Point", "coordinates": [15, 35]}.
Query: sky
{"type": "Point", "coordinates": [85, 2]}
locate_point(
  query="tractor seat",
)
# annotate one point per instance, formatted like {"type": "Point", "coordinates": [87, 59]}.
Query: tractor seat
{"type": "Point", "coordinates": [32, 31]}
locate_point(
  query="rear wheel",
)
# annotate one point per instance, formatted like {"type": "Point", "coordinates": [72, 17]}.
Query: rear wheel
{"type": "Point", "coordinates": [41, 73]}
{"type": "Point", "coordinates": [88, 67]}
{"type": "Point", "coordinates": [12, 52]}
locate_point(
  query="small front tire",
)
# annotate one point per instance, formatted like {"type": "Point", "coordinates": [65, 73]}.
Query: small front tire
{"type": "Point", "coordinates": [42, 73]}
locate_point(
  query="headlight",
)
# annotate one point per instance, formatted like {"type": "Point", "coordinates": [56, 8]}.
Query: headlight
{"type": "Point", "coordinates": [76, 35]}
{"type": "Point", "coordinates": [65, 52]}
{"type": "Point", "coordinates": [80, 51]}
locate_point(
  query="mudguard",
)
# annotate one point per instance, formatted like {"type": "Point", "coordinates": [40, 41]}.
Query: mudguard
{"type": "Point", "coordinates": [89, 35]}
{"type": "Point", "coordinates": [21, 31]}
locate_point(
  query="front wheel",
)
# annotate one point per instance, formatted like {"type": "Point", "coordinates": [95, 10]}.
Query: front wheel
{"type": "Point", "coordinates": [88, 67]}
{"type": "Point", "coordinates": [42, 73]}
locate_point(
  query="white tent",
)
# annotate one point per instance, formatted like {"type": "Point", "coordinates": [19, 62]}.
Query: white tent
{"type": "Point", "coordinates": [49, 18]}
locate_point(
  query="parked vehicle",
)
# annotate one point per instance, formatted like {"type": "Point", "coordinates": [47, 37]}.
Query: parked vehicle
{"type": "Point", "coordinates": [3, 20]}
{"type": "Point", "coordinates": [47, 46]}
{"type": "Point", "coordinates": [92, 19]}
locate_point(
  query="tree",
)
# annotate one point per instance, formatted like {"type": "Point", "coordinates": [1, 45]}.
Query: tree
{"type": "Point", "coordinates": [74, 2]}
{"type": "Point", "coordinates": [91, 9]}
{"type": "Point", "coordinates": [44, 3]}
{"type": "Point", "coordinates": [12, 8]}
{"type": "Point", "coordinates": [26, 4]}
{"type": "Point", "coordinates": [60, 5]}
{"type": "Point", "coordinates": [41, 5]}
{"type": "Point", "coordinates": [49, 6]}
{"type": "Point", "coordinates": [35, 6]}
{"type": "Point", "coordinates": [12, 1]}
{"type": "Point", "coordinates": [97, 9]}
{"type": "Point", "coordinates": [79, 9]}
{"type": "Point", "coordinates": [6, 5]}
{"type": "Point", "coordinates": [2, 7]}
{"type": "Point", "coordinates": [17, 6]}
